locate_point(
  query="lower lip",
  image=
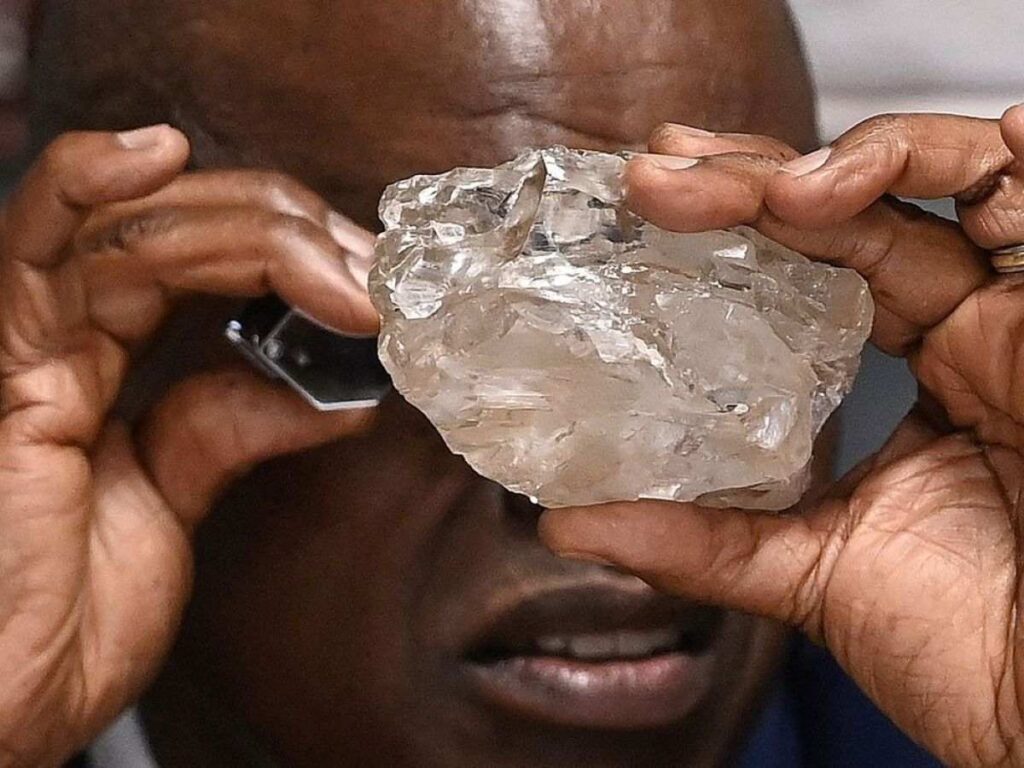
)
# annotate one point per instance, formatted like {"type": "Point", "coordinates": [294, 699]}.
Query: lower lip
{"type": "Point", "coordinates": [630, 694]}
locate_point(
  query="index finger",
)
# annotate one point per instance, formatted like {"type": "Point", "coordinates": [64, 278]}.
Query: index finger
{"type": "Point", "coordinates": [917, 156]}
{"type": "Point", "coordinates": [920, 267]}
{"type": "Point", "coordinates": [79, 171]}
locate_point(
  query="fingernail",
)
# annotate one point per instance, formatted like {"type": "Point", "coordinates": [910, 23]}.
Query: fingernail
{"type": "Point", "coordinates": [807, 164]}
{"type": "Point", "coordinates": [360, 272]}
{"type": "Point", "coordinates": [1013, 110]}
{"type": "Point", "coordinates": [688, 130]}
{"type": "Point", "coordinates": [587, 557]}
{"type": "Point", "coordinates": [671, 162]}
{"type": "Point", "coordinates": [351, 236]}
{"type": "Point", "coordinates": [142, 139]}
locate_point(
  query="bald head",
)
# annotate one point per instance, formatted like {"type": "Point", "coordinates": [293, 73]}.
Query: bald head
{"type": "Point", "coordinates": [352, 95]}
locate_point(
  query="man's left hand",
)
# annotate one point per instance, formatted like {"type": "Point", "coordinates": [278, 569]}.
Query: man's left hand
{"type": "Point", "coordinates": [910, 569]}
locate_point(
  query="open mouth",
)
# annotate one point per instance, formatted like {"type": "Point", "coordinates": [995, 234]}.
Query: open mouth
{"type": "Point", "coordinates": [598, 657]}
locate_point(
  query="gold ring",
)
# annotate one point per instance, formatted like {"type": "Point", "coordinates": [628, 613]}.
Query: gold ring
{"type": "Point", "coordinates": [1009, 260]}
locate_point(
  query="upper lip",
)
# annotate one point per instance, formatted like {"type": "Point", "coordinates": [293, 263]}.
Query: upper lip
{"type": "Point", "coordinates": [624, 619]}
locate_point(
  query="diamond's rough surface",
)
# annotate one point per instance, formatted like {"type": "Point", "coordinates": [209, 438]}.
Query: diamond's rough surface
{"type": "Point", "coordinates": [577, 354]}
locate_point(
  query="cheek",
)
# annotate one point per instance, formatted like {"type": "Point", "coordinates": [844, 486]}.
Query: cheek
{"type": "Point", "coordinates": [365, 505]}
{"type": "Point", "coordinates": [305, 576]}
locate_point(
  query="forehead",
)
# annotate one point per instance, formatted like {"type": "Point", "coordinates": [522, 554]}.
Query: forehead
{"type": "Point", "coordinates": [353, 95]}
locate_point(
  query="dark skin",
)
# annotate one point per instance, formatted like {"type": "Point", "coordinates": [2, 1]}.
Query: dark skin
{"type": "Point", "coordinates": [329, 613]}
{"type": "Point", "coordinates": [910, 570]}
{"type": "Point", "coordinates": [326, 612]}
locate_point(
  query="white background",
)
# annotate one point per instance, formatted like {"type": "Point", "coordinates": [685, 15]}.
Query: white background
{"type": "Point", "coordinates": [873, 56]}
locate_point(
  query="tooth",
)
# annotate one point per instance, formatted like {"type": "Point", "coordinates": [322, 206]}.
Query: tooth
{"type": "Point", "coordinates": [636, 643]}
{"type": "Point", "coordinates": [553, 644]}
{"type": "Point", "coordinates": [633, 644]}
{"type": "Point", "coordinates": [593, 646]}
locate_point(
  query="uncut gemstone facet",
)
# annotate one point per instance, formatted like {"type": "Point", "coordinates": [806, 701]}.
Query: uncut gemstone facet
{"type": "Point", "coordinates": [578, 354]}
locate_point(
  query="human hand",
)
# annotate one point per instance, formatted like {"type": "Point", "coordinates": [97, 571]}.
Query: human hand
{"type": "Point", "coordinates": [910, 569]}
{"type": "Point", "coordinates": [101, 238]}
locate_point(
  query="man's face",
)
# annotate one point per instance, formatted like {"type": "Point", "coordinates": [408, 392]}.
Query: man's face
{"type": "Point", "coordinates": [374, 602]}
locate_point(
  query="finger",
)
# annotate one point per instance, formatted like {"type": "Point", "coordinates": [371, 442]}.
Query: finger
{"type": "Point", "coordinates": [1012, 128]}
{"type": "Point", "coordinates": [243, 188]}
{"type": "Point", "coordinates": [139, 264]}
{"type": "Point", "coordinates": [60, 376]}
{"type": "Point", "coordinates": [768, 565]}
{"type": "Point", "coordinates": [969, 364]}
{"type": "Point", "coordinates": [80, 170]}
{"type": "Point", "coordinates": [997, 221]}
{"type": "Point", "coordinates": [674, 139]}
{"type": "Point", "coordinates": [216, 426]}
{"type": "Point", "coordinates": [918, 156]}
{"type": "Point", "coordinates": [995, 218]}
{"type": "Point", "coordinates": [690, 195]}
{"type": "Point", "coordinates": [919, 267]}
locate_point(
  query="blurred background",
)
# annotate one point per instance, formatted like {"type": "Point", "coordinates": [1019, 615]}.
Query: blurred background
{"type": "Point", "coordinates": [868, 57]}
{"type": "Point", "coordinates": [873, 56]}
{"type": "Point", "coordinates": [13, 58]}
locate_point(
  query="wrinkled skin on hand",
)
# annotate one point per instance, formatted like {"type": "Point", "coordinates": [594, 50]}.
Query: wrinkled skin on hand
{"type": "Point", "coordinates": [910, 570]}
{"type": "Point", "coordinates": [104, 235]}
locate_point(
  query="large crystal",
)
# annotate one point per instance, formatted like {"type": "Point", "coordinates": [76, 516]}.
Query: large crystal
{"type": "Point", "coordinates": [577, 354]}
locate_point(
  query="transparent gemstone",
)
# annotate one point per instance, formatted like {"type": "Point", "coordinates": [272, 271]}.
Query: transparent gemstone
{"type": "Point", "coordinates": [577, 354]}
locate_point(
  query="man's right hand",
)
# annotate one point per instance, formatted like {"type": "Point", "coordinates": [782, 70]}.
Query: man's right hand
{"type": "Point", "coordinates": [103, 235]}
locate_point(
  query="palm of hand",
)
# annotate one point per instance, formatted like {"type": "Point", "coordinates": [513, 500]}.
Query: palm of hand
{"type": "Point", "coordinates": [103, 570]}
{"type": "Point", "coordinates": [921, 599]}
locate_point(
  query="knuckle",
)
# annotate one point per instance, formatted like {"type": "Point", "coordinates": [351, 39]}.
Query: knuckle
{"type": "Point", "coordinates": [58, 155]}
{"type": "Point", "coordinates": [749, 175]}
{"type": "Point", "coordinates": [753, 168]}
{"type": "Point", "coordinates": [127, 233]}
{"type": "Point", "coordinates": [775, 151]}
{"type": "Point", "coordinates": [993, 226]}
{"type": "Point", "coordinates": [63, 154]}
{"type": "Point", "coordinates": [870, 255]}
{"type": "Point", "coordinates": [75, 167]}
{"type": "Point", "coordinates": [885, 126]}
{"type": "Point", "coordinates": [284, 193]}
{"type": "Point", "coordinates": [749, 207]}
{"type": "Point", "coordinates": [286, 232]}
{"type": "Point", "coordinates": [981, 191]}
{"type": "Point", "coordinates": [661, 136]}
{"type": "Point", "coordinates": [888, 136]}
{"type": "Point", "coordinates": [765, 163]}
{"type": "Point", "coordinates": [219, 405]}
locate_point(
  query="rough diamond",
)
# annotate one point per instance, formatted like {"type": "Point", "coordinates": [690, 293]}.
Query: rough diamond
{"type": "Point", "coordinates": [577, 354]}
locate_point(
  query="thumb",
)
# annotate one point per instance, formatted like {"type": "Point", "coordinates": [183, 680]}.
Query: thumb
{"type": "Point", "coordinates": [767, 565]}
{"type": "Point", "coordinates": [214, 427]}
{"type": "Point", "coordinates": [1012, 128]}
